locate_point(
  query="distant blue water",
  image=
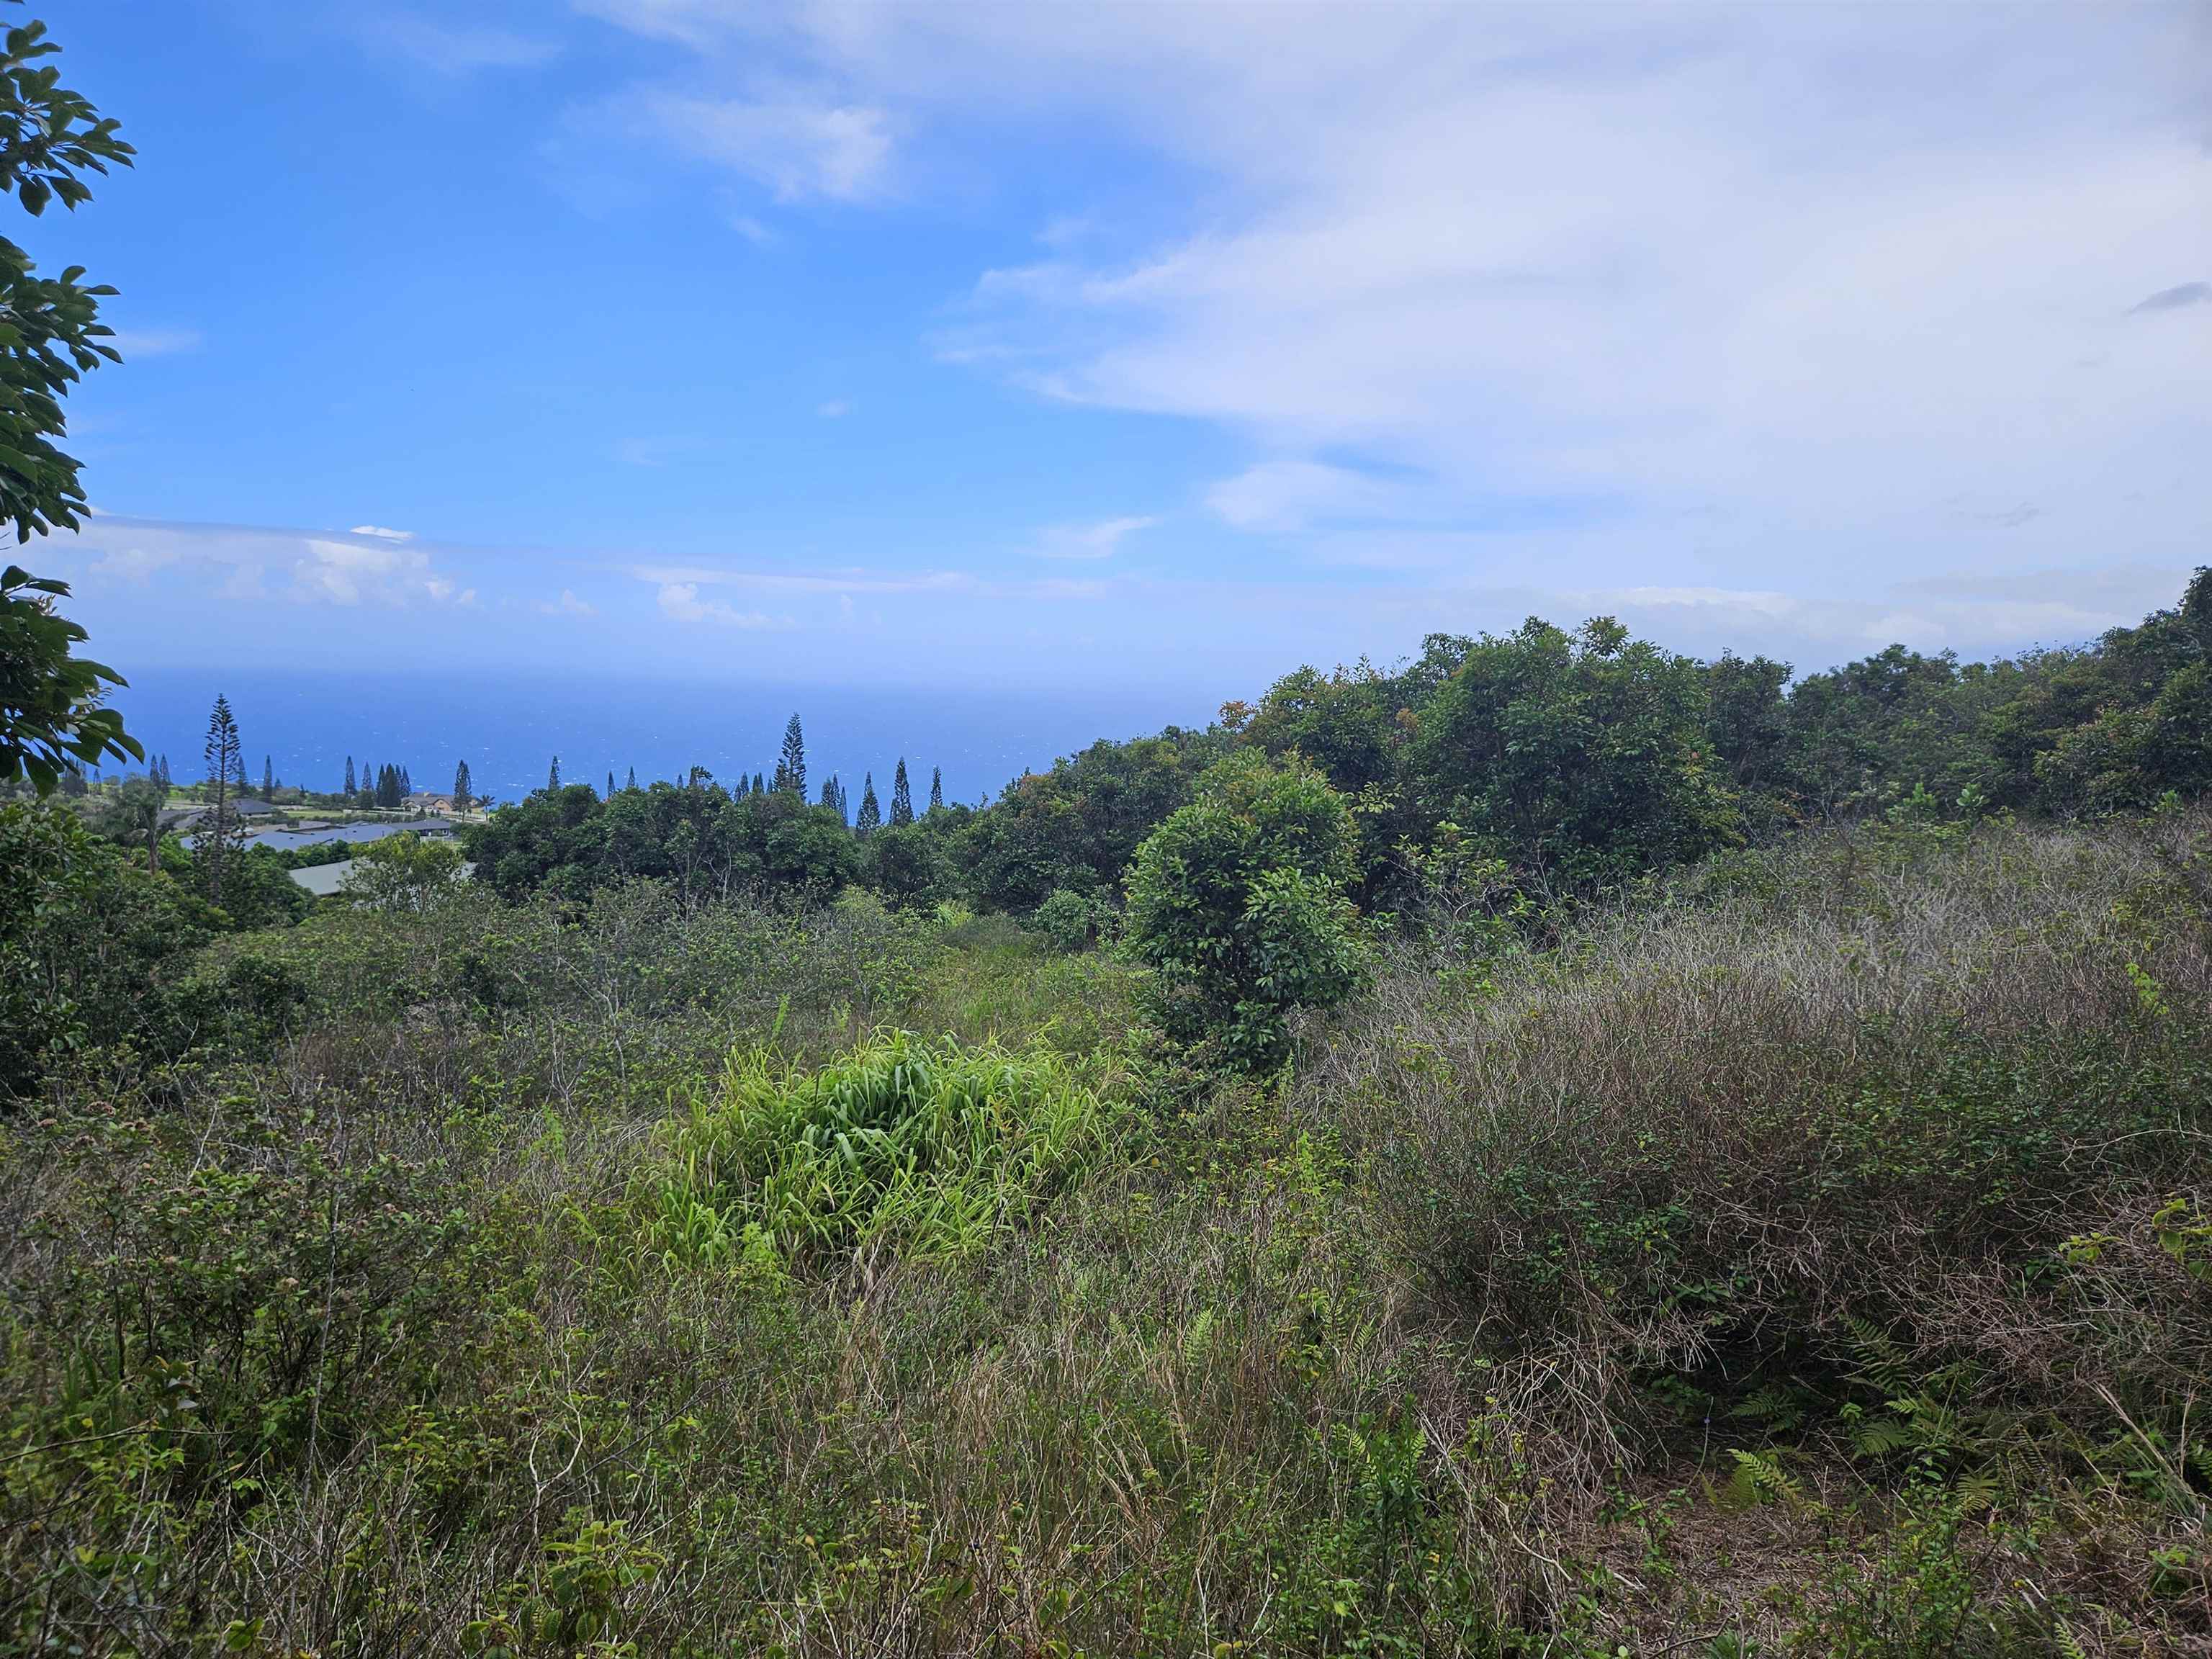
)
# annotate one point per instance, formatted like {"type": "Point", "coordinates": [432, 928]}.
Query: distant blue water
{"type": "Point", "coordinates": [508, 729]}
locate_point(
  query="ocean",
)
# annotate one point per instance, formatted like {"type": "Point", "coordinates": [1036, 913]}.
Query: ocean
{"type": "Point", "coordinates": [509, 728]}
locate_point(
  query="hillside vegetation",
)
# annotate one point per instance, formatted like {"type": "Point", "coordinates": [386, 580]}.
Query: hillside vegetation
{"type": "Point", "coordinates": [1811, 1253]}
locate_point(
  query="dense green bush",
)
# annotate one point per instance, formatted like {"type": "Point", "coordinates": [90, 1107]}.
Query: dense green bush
{"type": "Point", "coordinates": [1237, 905]}
{"type": "Point", "coordinates": [90, 946]}
{"type": "Point", "coordinates": [1072, 920]}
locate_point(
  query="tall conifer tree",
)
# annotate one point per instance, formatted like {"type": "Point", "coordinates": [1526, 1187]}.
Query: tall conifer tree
{"type": "Point", "coordinates": [791, 764]}
{"type": "Point", "coordinates": [936, 788]}
{"type": "Point", "coordinates": [901, 797]}
{"type": "Point", "coordinates": [553, 774]}
{"type": "Point", "coordinates": [870, 818]}
{"type": "Point", "coordinates": [216, 843]}
{"type": "Point", "coordinates": [268, 779]}
{"type": "Point", "coordinates": [461, 781]}
{"type": "Point", "coordinates": [350, 784]}
{"type": "Point", "coordinates": [632, 784]}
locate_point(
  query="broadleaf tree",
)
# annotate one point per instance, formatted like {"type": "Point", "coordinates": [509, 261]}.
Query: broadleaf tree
{"type": "Point", "coordinates": [51, 718]}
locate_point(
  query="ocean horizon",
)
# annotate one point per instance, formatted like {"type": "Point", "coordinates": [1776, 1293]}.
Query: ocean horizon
{"type": "Point", "coordinates": [509, 727]}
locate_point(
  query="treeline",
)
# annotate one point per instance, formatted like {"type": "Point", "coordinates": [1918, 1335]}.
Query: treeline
{"type": "Point", "coordinates": [1577, 758]}
{"type": "Point", "coordinates": [760, 832]}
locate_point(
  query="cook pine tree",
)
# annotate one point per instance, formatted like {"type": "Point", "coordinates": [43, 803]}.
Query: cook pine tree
{"type": "Point", "coordinates": [221, 834]}
{"type": "Point", "coordinates": [791, 763]}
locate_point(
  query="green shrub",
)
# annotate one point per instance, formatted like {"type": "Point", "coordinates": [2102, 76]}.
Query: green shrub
{"type": "Point", "coordinates": [1071, 920]}
{"type": "Point", "coordinates": [1237, 905]}
{"type": "Point", "coordinates": [90, 946]}
{"type": "Point", "coordinates": [936, 1147]}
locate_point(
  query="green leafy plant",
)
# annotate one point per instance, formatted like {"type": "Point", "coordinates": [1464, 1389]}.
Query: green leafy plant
{"type": "Point", "coordinates": [1237, 905]}
{"type": "Point", "coordinates": [938, 1147]}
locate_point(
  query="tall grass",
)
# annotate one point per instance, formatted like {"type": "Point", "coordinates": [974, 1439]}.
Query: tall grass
{"type": "Point", "coordinates": [1887, 1145]}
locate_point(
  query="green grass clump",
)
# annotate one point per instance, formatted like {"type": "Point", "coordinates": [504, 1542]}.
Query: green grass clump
{"type": "Point", "coordinates": [938, 1147]}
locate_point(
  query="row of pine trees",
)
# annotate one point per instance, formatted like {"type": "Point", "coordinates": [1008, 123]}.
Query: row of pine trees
{"type": "Point", "coordinates": [790, 778]}
{"type": "Point", "coordinates": [387, 786]}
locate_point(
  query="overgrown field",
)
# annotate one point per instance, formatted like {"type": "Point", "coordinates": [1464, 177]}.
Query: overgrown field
{"type": "Point", "coordinates": [1812, 1256]}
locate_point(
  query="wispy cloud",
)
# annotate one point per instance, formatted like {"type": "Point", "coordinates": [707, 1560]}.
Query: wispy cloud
{"type": "Point", "coordinates": [134, 564]}
{"type": "Point", "coordinates": [805, 581]}
{"type": "Point", "coordinates": [1724, 599]}
{"type": "Point", "coordinates": [459, 49]}
{"type": "Point", "coordinates": [367, 566]}
{"type": "Point", "coordinates": [835, 409]}
{"type": "Point", "coordinates": [796, 146]}
{"type": "Point", "coordinates": [680, 602]}
{"type": "Point", "coordinates": [649, 452]}
{"type": "Point", "coordinates": [1088, 541]}
{"type": "Point", "coordinates": [1284, 496]}
{"type": "Point", "coordinates": [2174, 299]}
{"type": "Point", "coordinates": [568, 606]}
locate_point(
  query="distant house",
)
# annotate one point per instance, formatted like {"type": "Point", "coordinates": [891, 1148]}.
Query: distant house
{"type": "Point", "coordinates": [423, 801]}
{"type": "Point", "coordinates": [182, 818]}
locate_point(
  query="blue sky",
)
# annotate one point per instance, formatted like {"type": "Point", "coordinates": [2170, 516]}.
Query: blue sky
{"type": "Point", "coordinates": [1064, 347]}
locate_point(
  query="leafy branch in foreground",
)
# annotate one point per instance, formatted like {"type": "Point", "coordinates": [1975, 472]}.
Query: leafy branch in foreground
{"type": "Point", "coordinates": [49, 717]}
{"type": "Point", "coordinates": [50, 335]}
{"type": "Point", "coordinates": [50, 327]}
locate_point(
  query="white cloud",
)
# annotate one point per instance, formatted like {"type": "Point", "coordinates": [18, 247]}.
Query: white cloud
{"type": "Point", "coordinates": [681, 602]}
{"type": "Point", "coordinates": [669, 20]}
{"type": "Point", "coordinates": [1087, 541]}
{"type": "Point", "coordinates": [568, 606]}
{"type": "Point", "coordinates": [835, 409]}
{"type": "Point", "coordinates": [457, 49]}
{"type": "Point", "coordinates": [381, 533]}
{"type": "Point", "coordinates": [134, 564]}
{"type": "Point", "coordinates": [853, 581]}
{"type": "Point", "coordinates": [647, 452]}
{"type": "Point", "coordinates": [1770, 284]}
{"type": "Point", "coordinates": [1763, 604]}
{"type": "Point", "coordinates": [1290, 495]}
{"type": "Point", "coordinates": [378, 572]}
{"type": "Point", "coordinates": [796, 146]}
{"type": "Point", "coordinates": [369, 566]}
